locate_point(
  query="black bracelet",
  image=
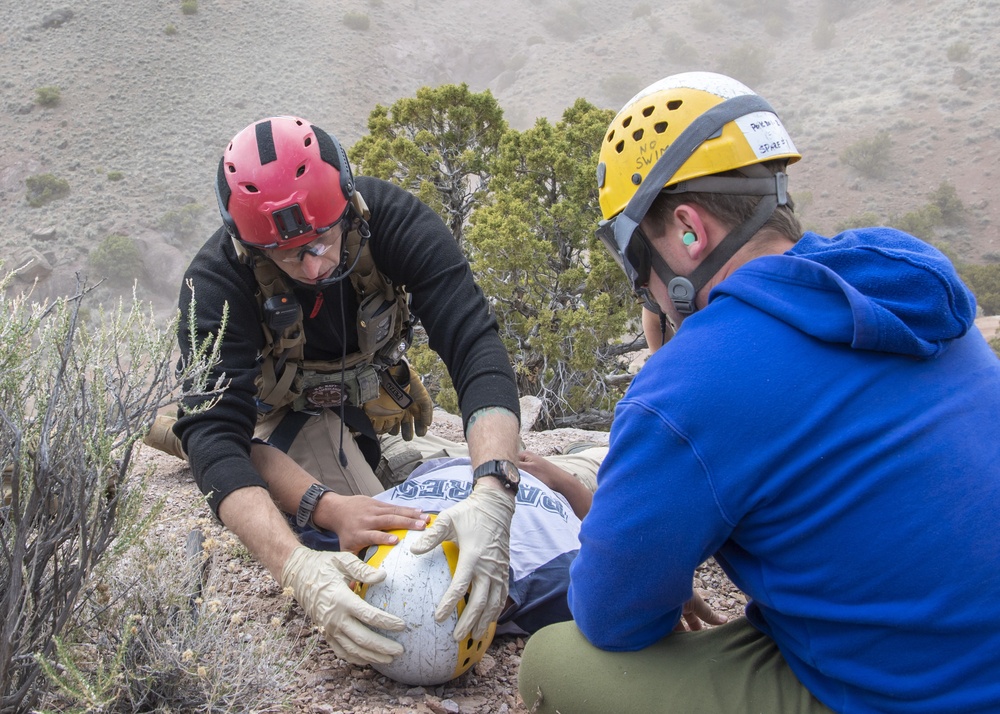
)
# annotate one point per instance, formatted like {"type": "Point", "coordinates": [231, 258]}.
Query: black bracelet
{"type": "Point", "coordinates": [308, 504]}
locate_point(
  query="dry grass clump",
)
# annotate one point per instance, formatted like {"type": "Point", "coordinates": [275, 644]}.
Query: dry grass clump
{"type": "Point", "coordinates": [156, 638]}
{"type": "Point", "coordinates": [77, 393]}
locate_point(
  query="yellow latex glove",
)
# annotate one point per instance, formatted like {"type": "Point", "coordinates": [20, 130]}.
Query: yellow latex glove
{"type": "Point", "coordinates": [388, 417]}
{"type": "Point", "coordinates": [480, 525]}
{"type": "Point", "coordinates": [320, 581]}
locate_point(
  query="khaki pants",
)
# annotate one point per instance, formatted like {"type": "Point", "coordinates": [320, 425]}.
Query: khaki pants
{"type": "Point", "coordinates": [316, 448]}
{"type": "Point", "coordinates": [732, 669]}
{"type": "Point", "coordinates": [404, 456]}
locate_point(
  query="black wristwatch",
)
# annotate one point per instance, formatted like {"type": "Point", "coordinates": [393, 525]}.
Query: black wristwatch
{"type": "Point", "coordinates": [505, 471]}
{"type": "Point", "coordinates": [308, 503]}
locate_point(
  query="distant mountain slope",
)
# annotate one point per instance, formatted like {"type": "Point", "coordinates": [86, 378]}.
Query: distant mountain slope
{"type": "Point", "coordinates": [159, 107]}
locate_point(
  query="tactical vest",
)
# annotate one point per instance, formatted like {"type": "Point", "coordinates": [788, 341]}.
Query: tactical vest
{"type": "Point", "coordinates": [383, 325]}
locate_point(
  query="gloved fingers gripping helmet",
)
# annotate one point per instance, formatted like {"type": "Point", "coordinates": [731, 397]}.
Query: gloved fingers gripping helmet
{"type": "Point", "coordinates": [413, 586]}
{"type": "Point", "coordinates": [676, 134]}
{"type": "Point", "coordinates": [282, 182]}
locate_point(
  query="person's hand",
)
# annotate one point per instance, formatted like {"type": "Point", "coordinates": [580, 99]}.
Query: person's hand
{"type": "Point", "coordinates": [480, 525]}
{"type": "Point", "coordinates": [559, 480]}
{"type": "Point", "coordinates": [387, 417]}
{"type": "Point", "coordinates": [360, 521]}
{"type": "Point", "coordinates": [698, 613]}
{"type": "Point", "coordinates": [544, 470]}
{"type": "Point", "coordinates": [320, 581]}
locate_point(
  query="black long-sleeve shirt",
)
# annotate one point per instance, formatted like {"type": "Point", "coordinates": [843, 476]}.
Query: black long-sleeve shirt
{"type": "Point", "coordinates": [412, 247]}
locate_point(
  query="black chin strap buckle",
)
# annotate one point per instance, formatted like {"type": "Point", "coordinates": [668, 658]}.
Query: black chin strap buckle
{"type": "Point", "coordinates": [682, 294]}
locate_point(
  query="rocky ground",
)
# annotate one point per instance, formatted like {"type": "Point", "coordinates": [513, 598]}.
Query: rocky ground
{"type": "Point", "coordinates": [324, 684]}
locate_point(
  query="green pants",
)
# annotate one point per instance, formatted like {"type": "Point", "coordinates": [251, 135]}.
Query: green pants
{"type": "Point", "coordinates": [732, 668]}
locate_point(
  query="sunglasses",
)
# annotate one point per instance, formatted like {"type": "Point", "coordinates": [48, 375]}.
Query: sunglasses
{"type": "Point", "coordinates": [632, 256]}
{"type": "Point", "coordinates": [327, 239]}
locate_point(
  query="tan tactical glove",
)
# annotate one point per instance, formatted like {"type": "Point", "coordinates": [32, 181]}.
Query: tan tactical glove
{"type": "Point", "coordinates": [388, 417]}
{"type": "Point", "coordinates": [481, 526]}
{"type": "Point", "coordinates": [320, 581]}
{"type": "Point", "coordinates": [161, 436]}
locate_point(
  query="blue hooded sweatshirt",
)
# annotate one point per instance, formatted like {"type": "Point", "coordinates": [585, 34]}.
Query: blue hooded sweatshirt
{"type": "Point", "coordinates": [828, 428]}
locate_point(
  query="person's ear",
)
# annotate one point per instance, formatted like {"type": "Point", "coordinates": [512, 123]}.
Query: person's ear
{"type": "Point", "coordinates": [691, 229]}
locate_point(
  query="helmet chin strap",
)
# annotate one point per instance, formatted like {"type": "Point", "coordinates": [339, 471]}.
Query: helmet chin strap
{"type": "Point", "coordinates": [682, 290]}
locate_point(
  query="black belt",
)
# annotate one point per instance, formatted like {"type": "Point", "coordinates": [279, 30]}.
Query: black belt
{"type": "Point", "coordinates": [355, 419]}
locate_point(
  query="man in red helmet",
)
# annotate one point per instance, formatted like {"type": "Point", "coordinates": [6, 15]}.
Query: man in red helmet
{"type": "Point", "coordinates": [313, 281]}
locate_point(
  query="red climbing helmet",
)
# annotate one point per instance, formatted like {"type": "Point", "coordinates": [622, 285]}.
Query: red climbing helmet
{"type": "Point", "coordinates": [282, 182]}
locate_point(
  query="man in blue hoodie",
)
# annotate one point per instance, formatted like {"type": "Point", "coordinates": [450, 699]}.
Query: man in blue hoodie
{"type": "Point", "coordinates": [825, 423]}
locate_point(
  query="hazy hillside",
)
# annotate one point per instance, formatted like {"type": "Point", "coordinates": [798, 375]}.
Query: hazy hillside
{"type": "Point", "coordinates": [145, 113]}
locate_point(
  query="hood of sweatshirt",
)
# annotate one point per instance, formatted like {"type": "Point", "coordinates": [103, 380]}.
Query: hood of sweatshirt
{"type": "Point", "coordinates": [874, 289]}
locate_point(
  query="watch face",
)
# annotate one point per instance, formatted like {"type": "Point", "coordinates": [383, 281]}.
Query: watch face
{"type": "Point", "coordinates": [510, 472]}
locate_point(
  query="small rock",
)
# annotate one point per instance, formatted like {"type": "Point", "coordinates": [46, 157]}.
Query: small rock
{"type": "Point", "coordinates": [57, 18]}
{"type": "Point", "coordinates": [485, 666]}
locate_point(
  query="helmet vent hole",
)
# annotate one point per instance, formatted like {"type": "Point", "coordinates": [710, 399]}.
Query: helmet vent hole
{"type": "Point", "coordinates": [470, 643]}
{"type": "Point", "coordinates": [308, 141]}
{"type": "Point", "coordinates": [675, 104]}
{"type": "Point", "coordinates": [626, 121]}
{"type": "Point", "coordinates": [298, 122]}
{"type": "Point", "coordinates": [302, 170]}
{"type": "Point", "coordinates": [611, 136]}
{"type": "Point", "coordinates": [250, 188]}
{"type": "Point", "coordinates": [637, 134]}
{"type": "Point", "coordinates": [231, 169]}
{"type": "Point", "coordinates": [620, 146]}
{"type": "Point", "coordinates": [647, 111]}
{"type": "Point", "coordinates": [660, 127]}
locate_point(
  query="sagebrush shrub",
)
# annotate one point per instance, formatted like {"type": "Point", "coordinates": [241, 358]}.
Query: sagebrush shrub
{"type": "Point", "coordinates": [945, 197]}
{"type": "Point", "coordinates": [48, 96]}
{"type": "Point", "coordinates": [871, 156]}
{"type": "Point", "coordinates": [984, 282]}
{"type": "Point", "coordinates": [747, 63]}
{"type": "Point", "coordinates": [958, 51]}
{"type": "Point", "coordinates": [76, 396]}
{"type": "Point", "coordinates": [824, 34]}
{"type": "Point", "coordinates": [357, 20]}
{"type": "Point", "coordinates": [182, 223]}
{"type": "Point", "coordinates": [118, 259]}
{"type": "Point", "coordinates": [45, 188]}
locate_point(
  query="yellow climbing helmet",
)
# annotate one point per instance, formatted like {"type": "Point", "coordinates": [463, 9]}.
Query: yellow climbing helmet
{"type": "Point", "coordinates": [413, 586]}
{"type": "Point", "coordinates": [652, 121]}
